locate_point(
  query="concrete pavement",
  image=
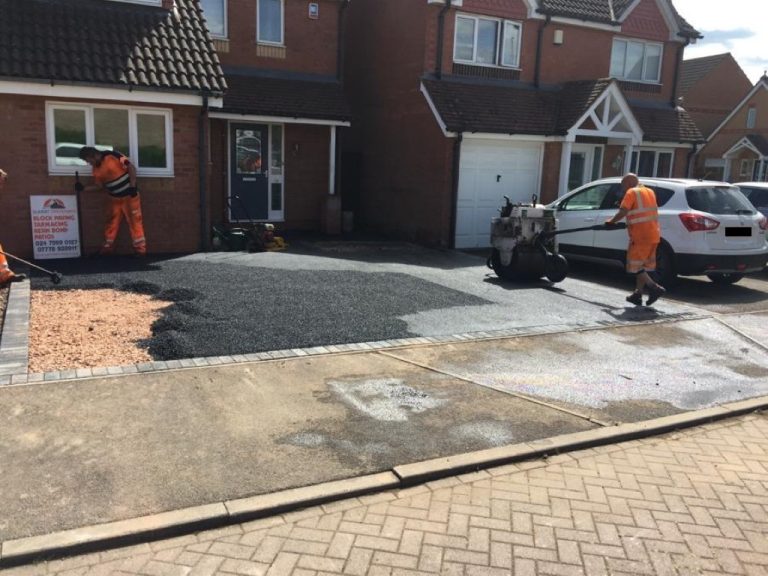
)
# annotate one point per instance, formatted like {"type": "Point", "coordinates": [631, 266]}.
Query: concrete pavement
{"type": "Point", "coordinates": [693, 502]}
{"type": "Point", "coordinates": [220, 443]}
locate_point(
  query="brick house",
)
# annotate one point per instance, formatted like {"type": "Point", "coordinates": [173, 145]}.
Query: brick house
{"type": "Point", "coordinates": [476, 99]}
{"type": "Point", "coordinates": [710, 87]}
{"type": "Point", "coordinates": [737, 149]}
{"type": "Point", "coordinates": [274, 142]}
{"type": "Point", "coordinates": [134, 76]}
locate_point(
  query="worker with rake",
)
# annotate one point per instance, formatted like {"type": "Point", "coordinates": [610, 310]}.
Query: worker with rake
{"type": "Point", "coordinates": [116, 174]}
{"type": "Point", "coordinates": [6, 274]}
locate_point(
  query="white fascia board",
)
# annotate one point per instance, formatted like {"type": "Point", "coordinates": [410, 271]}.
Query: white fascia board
{"type": "Point", "coordinates": [652, 144]}
{"type": "Point", "coordinates": [276, 119]}
{"type": "Point", "coordinates": [762, 83]}
{"type": "Point", "coordinates": [577, 22]}
{"type": "Point", "coordinates": [454, 3]}
{"type": "Point", "coordinates": [511, 137]}
{"type": "Point", "coordinates": [46, 90]}
{"type": "Point", "coordinates": [436, 114]}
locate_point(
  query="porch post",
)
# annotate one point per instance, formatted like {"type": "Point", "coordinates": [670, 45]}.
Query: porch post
{"type": "Point", "coordinates": [565, 167]}
{"type": "Point", "coordinates": [332, 171]}
{"type": "Point", "coordinates": [761, 171]}
{"type": "Point", "coordinates": [628, 158]}
{"type": "Point", "coordinates": [727, 170]}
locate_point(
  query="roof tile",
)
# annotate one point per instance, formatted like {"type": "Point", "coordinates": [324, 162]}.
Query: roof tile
{"type": "Point", "coordinates": [110, 43]}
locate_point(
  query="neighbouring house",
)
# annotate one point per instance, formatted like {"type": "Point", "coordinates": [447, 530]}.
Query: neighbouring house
{"type": "Point", "coordinates": [275, 141]}
{"type": "Point", "coordinates": [137, 76]}
{"type": "Point", "coordinates": [737, 149]}
{"type": "Point", "coordinates": [460, 102]}
{"type": "Point", "coordinates": [710, 87]}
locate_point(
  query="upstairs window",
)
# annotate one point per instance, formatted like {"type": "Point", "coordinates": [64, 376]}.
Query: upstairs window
{"type": "Point", "coordinates": [751, 117]}
{"type": "Point", "coordinates": [270, 21]}
{"type": "Point", "coordinates": [216, 17]}
{"type": "Point", "coordinates": [636, 61]}
{"type": "Point", "coordinates": [487, 42]}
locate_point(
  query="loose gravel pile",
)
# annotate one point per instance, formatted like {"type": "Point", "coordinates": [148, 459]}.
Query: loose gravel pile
{"type": "Point", "coordinates": [222, 309]}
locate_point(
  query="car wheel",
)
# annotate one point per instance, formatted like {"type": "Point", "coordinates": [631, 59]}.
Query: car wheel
{"type": "Point", "coordinates": [666, 270]}
{"type": "Point", "coordinates": [725, 279]}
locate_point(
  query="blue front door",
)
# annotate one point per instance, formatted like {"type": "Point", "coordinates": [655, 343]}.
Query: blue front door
{"type": "Point", "coordinates": [249, 164]}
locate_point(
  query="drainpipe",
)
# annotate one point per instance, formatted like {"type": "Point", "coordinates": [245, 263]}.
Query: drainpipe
{"type": "Point", "coordinates": [455, 186]}
{"type": "Point", "coordinates": [678, 63]}
{"type": "Point", "coordinates": [691, 154]}
{"type": "Point", "coordinates": [203, 161]}
{"type": "Point", "coordinates": [341, 34]}
{"type": "Point", "coordinates": [539, 42]}
{"type": "Point", "coordinates": [440, 39]}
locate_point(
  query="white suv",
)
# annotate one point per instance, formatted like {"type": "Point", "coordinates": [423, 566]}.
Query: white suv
{"type": "Point", "coordinates": [706, 228]}
{"type": "Point", "coordinates": [757, 192]}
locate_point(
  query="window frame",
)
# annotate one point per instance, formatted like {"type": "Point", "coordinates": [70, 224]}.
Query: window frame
{"type": "Point", "coordinates": [133, 153]}
{"type": "Point", "coordinates": [635, 162]}
{"type": "Point", "coordinates": [282, 25]}
{"type": "Point", "coordinates": [751, 117]}
{"type": "Point", "coordinates": [627, 42]}
{"type": "Point", "coordinates": [501, 26]}
{"type": "Point", "coordinates": [225, 4]}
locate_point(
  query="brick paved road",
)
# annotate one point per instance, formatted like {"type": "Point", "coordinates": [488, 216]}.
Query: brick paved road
{"type": "Point", "coordinates": [694, 502]}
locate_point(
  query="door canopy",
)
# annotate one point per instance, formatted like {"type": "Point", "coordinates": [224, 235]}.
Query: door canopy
{"type": "Point", "coordinates": [608, 116]}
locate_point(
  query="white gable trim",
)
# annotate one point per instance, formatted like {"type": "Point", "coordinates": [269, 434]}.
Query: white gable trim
{"type": "Point", "coordinates": [762, 83]}
{"type": "Point", "coordinates": [743, 143]}
{"type": "Point", "coordinates": [58, 91]}
{"type": "Point", "coordinates": [276, 119]}
{"type": "Point", "coordinates": [604, 123]}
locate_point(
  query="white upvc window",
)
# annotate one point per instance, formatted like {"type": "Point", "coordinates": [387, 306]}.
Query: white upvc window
{"type": "Point", "coordinates": [145, 135]}
{"type": "Point", "coordinates": [487, 41]}
{"type": "Point", "coordinates": [747, 168]}
{"type": "Point", "coordinates": [751, 117]}
{"type": "Point", "coordinates": [636, 61]}
{"type": "Point", "coordinates": [270, 22]}
{"type": "Point", "coordinates": [216, 17]}
{"type": "Point", "coordinates": [653, 163]}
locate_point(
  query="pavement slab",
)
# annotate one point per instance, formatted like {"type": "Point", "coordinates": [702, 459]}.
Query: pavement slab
{"type": "Point", "coordinates": [98, 450]}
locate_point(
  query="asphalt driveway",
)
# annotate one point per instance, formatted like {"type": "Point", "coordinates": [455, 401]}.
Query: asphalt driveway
{"type": "Point", "coordinates": [326, 293]}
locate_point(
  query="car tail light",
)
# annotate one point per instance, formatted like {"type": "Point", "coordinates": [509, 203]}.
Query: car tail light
{"type": "Point", "coordinates": [698, 222]}
{"type": "Point", "coordinates": [763, 223]}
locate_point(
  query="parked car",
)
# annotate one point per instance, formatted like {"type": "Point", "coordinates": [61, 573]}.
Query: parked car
{"type": "Point", "coordinates": [757, 192]}
{"type": "Point", "coordinates": [706, 227]}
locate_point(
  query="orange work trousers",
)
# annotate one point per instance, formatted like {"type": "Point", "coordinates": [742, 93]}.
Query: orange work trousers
{"type": "Point", "coordinates": [130, 207]}
{"type": "Point", "coordinates": [5, 272]}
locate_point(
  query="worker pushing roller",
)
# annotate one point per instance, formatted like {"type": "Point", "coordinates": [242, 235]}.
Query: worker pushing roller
{"type": "Point", "coordinates": [6, 274]}
{"type": "Point", "coordinates": [115, 173]}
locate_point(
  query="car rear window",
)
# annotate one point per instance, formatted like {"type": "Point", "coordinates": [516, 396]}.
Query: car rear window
{"type": "Point", "coordinates": [718, 200]}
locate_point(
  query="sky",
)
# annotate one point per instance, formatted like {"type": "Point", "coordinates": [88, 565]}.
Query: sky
{"type": "Point", "coordinates": [736, 26]}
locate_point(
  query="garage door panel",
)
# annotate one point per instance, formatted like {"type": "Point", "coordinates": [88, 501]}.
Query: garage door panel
{"type": "Point", "coordinates": [489, 171]}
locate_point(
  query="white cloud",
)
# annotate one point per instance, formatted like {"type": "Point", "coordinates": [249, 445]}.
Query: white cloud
{"type": "Point", "coordinates": [737, 26]}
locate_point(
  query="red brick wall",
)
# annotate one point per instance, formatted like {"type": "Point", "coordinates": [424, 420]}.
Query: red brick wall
{"type": "Point", "coordinates": [646, 21]}
{"type": "Point", "coordinates": [713, 97]}
{"type": "Point", "coordinates": [170, 205]}
{"type": "Point", "coordinates": [310, 45]}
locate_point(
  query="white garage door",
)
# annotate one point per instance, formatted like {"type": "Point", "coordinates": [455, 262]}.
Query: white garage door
{"type": "Point", "coordinates": [490, 170]}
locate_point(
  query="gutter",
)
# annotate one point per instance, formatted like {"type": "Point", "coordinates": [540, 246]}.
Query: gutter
{"type": "Point", "coordinates": [441, 39]}
{"type": "Point", "coordinates": [203, 165]}
{"type": "Point", "coordinates": [341, 39]}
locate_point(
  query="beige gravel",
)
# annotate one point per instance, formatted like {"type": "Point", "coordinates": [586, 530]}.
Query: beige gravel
{"type": "Point", "coordinates": [89, 328]}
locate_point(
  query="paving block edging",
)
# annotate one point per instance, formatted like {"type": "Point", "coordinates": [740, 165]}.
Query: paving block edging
{"type": "Point", "coordinates": [185, 521]}
{"type": "Point", "coordinates": [14, 339]}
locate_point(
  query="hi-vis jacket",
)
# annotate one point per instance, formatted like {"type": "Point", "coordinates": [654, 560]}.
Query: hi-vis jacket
{"type": "Point", "coordinates": [642, 216]}
{"type": "Point", "coordinates": [112, 173]}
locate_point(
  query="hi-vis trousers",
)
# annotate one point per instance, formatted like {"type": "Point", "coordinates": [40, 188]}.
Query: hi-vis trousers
{"type": "Point", "coordinates": [130, 207]}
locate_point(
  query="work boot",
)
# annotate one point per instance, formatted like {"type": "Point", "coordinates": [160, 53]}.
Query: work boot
{"type": "Point", "coordinates": [654, 294]}
{"type": "Point", "coordinates": [18, 278]}
{"type": "Point", "coordinates": [635, 298]}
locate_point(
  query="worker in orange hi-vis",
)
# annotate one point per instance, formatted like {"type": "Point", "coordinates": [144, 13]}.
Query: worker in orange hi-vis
{"type": "Point", "coordinates": [6, 274]}
{"type": "Point", "coordinates": [115, 173]}
{"type": "Point", "coordinates": [642, 213]}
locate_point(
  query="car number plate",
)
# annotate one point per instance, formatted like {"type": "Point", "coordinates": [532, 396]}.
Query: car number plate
{"type": "Point", "coordinates": [738, 232]}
